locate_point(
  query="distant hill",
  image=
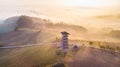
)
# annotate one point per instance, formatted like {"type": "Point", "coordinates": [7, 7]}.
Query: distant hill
{"type": "Point", "coordinates": [116, 16]}
{"type": "Point", "coordinates": [33, 22]}
{"type": "Point", "coordinates": [114, 34]}
{"type": "Point", "coordinates": [9, 24]}
{"type": "Point", "coordinates": [30, 30]}
{"type": "Point", "coordinates": [35, 30]}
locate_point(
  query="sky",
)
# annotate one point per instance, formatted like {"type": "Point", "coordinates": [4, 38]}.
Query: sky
{"type": "Point", "coordinates": [85, 3]}
{"type": "Point", "coordinates": [78, 7]}
{"type": "Point", "coordinates": [111, 5]}
{"type": "Point", "coordinates": [61, 10]}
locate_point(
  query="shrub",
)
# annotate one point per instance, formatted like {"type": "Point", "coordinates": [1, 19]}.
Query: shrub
{"type": "Point", "coordinates": [117, 49]}
{"type": "Point", "coordinates": [110, 48]}
{"type": "Point", "coordinates": [90, 43]}
{"type": "Point", "coordinates": [1, 45]}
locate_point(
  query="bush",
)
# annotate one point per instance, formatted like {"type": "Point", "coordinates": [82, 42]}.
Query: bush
{"type": "Point", "coordinates": [90, 43]}
{"type": "Point", "coordinates": [110, 48]}
{"type": "Point", "coordinates": [1, 45]}
{"type": "Point", "coordinates": [118, 48]}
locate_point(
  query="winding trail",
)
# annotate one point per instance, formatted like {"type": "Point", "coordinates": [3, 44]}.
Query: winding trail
{"type": "Point", "coordinates": [30, 45]}
{"type": "Point", "coordinates": [47, 43]}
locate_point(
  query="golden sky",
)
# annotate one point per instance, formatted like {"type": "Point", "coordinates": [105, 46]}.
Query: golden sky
{"type": "Point", "coordinates": [86, 3]}
{"type": "Point", "coordinates": [63, 10]}
{"type": "Point", "coordinates": [63, 7]}
{"type": "Point", "coordinates": [91, 3]}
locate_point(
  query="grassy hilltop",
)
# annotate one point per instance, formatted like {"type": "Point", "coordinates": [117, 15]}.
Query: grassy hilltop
{"type": "Point", "coordinates": [32, 30]}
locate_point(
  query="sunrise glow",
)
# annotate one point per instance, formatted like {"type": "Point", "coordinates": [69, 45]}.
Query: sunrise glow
{"type": "Point", "coordinates": [91, 3]}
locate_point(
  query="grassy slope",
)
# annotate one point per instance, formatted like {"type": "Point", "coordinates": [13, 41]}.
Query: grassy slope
{"type": "Point", "coordinates": [28, 57]}
{"type": "Point", "coordinates": [45, 55]}
{"type": "Point", "coordinates": [92, 57]}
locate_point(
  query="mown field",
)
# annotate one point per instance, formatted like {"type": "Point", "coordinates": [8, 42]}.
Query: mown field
{"type": "Point", "coordinates": [28, 57]}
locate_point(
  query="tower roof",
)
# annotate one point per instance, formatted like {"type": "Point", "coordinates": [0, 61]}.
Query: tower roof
{"type": "Point", "coordinates": [64, 32]}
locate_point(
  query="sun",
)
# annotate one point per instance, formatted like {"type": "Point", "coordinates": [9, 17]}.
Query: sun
{"type": "Point", "coordinates": [90, 3]}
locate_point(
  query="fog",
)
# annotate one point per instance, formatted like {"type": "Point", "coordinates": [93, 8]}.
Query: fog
{"type": "Point", "coordinates": [82, 16]}
{"type": "Point", "coordinates": [8, 24]}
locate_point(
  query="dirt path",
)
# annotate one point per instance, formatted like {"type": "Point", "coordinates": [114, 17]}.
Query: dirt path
{"type": "Point", "coordinates": [30, 45]}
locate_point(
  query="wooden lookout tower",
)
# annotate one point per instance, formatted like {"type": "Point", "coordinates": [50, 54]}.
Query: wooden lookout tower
{"type": "Point", "coordinates": [64, 41]}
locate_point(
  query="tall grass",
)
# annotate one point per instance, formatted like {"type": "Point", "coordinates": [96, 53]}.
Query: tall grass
{"type": "Point", "coordinates": [105, 46]}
